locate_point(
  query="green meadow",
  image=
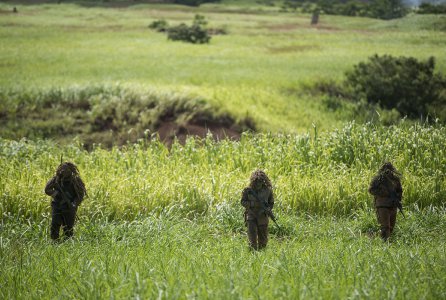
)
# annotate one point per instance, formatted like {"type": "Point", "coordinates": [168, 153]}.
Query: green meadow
{"type": "Point", "coordinates": [165, 221]}
{"type": "Point", "coordinates": [258, 68]}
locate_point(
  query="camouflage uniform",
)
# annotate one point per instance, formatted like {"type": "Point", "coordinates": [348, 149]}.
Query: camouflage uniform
{"type": "Point", "coordinates": [67, 190]}
{"type": "Point", "coordinates": [256, 199]}
{"type": "Point", "coordinates": [387, 191]}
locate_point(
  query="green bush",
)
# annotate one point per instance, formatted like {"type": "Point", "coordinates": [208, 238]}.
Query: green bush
{"type": "Point", "coordinates": [159, 25]}
{"type": "Point", "coordinates": [427, 8]}
{"type": "Point", "coordinates": [404, 83]}
{"type": "Point", "coordinates": [381, 9]}
{"type": "Point", "coordinates": [195, 34]}
{"type": "Point", "coordinates": [194, 2]}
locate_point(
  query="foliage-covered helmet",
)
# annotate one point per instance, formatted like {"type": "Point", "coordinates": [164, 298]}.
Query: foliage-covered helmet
{"type": "Point", "coordinates": [67, 170]}
{"type": "Point", "coordinates": [388, 170]}
{"type": "Point", "coordinates": [387, 166]}
{"type": "Point", "coordinates": [260, 176]}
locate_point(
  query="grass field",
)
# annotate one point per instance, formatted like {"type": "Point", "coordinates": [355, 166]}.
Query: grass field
{"type": "Point", "coordinates": [264, 55]}
{"type": "Point", "coordinates": [165, 221]}
{"type": "Point", "coordinates": [162, 223]}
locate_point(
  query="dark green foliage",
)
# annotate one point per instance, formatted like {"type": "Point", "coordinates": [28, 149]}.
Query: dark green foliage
{"type": "Point", "coordinates": [381, 9]}
{"type": "Point", "coordinates": [427, 8]}
{"type": "Point", "coordinates": [194, 2]}
{"type": "Point", "coordinates": [403, 83]}
{"type": "Point", "coordinates": [387, 9]}
{"type": "Point", "coordinates": [195, 34]}
{"type": "Point", "coordinates": [159, 25]}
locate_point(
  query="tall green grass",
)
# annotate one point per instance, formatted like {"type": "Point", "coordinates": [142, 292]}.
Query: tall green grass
{"type": "Point", "coordinates": [170, 258]}
{"type": "Point", "coordinates": [318, 173]}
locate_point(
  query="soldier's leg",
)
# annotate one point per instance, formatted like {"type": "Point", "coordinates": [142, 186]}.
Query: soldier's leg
{"type": "Point", "coordinates": [69, 218]}
{"type": "Point", "coordinates": [56, 222]}
{"type": "Point", "coordinates": [252, 234]}
{"type": "Point", "coordinates": [263, 236]}
{"type": "Point", "coordinates": [393, 213]}
{"type": "Point", "coordinates": [384, 221]}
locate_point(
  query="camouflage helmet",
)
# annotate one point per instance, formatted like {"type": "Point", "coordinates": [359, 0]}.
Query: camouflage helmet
{"type": "Point", "coordinates": [388, 170]}
{"type": "Point", "coordinates": [259, 175]}
{"type": "Point", "coordinates": [66, 170]}
{"type": "Point", "coordinates": [387, 166]}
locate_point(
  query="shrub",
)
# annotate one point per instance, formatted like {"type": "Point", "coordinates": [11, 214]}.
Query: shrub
{"type": "Point", "coordinates": [194, 2]}
{"type": "Point", "coordinates": [427, 8]}
{"type": "Point", "coordinates": [387, 9]}
{"type": "Point", "coordinates": [195, 34]}
{"type": "Point", "coordinates": [159, 25]}
{"type": "Point", "coordinates": [403, 83]}
{"type": "Point", "coordinates": [381, 9]}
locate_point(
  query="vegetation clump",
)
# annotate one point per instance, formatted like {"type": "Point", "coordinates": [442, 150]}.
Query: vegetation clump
{"type": "Point", "coordinates": [403, 83]}
{"type": "Point", "coordinates": [428, 8]}
{"type": "Point", "coordinates": [388, 87]}
{"type": "Point", "coordinates": [380, 9]}
{"type": "Point", "coordinates": [111, 116]}
{"type": "Point", "coordinates": [194, 2]}
{"type": "Point", "coordinates": [195, 34]}
{"type": "Point", "coordinates": [159, 25]}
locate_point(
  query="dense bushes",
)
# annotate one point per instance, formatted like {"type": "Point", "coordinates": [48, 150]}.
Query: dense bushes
{"type": "Point", "coordinates": [386, 88]}
{"type": "Point", "coordinates": [403, 83]}
{"type": "Point", "coordinates": [427, 8]}
{"type": "Point", "coordinates": [194, 2]}
{"type": "Point", "coordinates": [381, 9]}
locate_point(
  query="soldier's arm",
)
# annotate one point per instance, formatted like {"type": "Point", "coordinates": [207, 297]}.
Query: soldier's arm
{"type": "Point", "coordinates": [50, 188]}
{"type": "Point", "coordinates": [376, 188]}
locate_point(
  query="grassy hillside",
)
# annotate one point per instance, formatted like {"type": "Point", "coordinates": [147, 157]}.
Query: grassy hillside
{"type": "Point", "coordinates": [249, 71]}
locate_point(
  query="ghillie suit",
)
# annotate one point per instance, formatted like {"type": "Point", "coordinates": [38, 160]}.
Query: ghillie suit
{"type": "Point", "coordinates": [258, 201]}
{"type": "Point", "coordinates": [387, 191]}
{"type": "Point", "coordinates": [67, 190]}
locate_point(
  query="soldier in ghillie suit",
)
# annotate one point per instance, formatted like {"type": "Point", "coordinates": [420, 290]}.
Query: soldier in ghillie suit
{"type": "Point", "coordinates": [387, 191]}
{"type": "Point", "coordinates": [67, 190]}
{"type": "Point", "coordinates": [258, 201]}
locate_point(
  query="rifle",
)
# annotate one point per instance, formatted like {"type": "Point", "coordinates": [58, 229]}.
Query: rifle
{"type": "Point", "coordinates": [397, 202]}
{"type": "Point", "coordinates": [65, 198]}
{"type": "Point", "coordinates": [265, 207]}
